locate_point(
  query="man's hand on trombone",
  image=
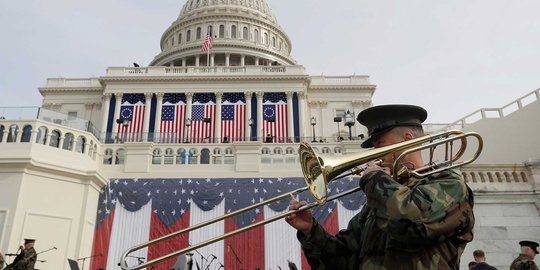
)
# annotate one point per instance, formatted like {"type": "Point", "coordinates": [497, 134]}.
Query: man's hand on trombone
{"type": "Point", "coordinates": [303, 220]}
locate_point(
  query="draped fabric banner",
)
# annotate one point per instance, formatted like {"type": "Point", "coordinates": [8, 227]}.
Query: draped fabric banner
{"type": "Point", "coordinates": [275, 117]}
{"type": "Point", "coordinates": [132, 211]}
{"type": "Point", "coordinates": [132, 116]}
{"type": "Point", "coordinates": [203, 122]}
{"type": "Point", "coordinates": [173, 118]}
{"type": "Point", "coordinates": [233, 117]}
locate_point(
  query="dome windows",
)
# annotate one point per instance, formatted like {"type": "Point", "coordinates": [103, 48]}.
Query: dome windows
{"type": "Point", "coordinates": [233, 31]}
{"type": "Point", "coordinates": [245, 33]}
{"type": "Point", "coordinates": [188, 36]}
{"type": "Point", "coordinates": [198, 33]}
{"type": "Point", "coordinates": [222, 31]}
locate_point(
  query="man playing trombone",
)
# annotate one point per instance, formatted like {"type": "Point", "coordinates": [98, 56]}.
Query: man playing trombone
{"type": "Point", "coordinates": [408, 222]}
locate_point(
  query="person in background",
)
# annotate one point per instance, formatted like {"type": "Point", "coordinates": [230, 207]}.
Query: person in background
{"type": "Point", "coordinates": [525, 260]}
{"type": "Point", "coordinates": [471, 265]}
{"type": "Point", "coordinates": [407, 222]}
{"type": "Point", "coordinates": [480, 259]}
{"type": "Point", "coordinates": [27, 258]}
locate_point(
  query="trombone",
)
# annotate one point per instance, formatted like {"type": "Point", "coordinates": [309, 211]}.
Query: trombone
{"type": "Point", "coordinates": [319, 171]}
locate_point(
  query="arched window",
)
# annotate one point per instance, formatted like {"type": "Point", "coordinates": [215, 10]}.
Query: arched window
{"type": "Point", "coordinates": [198, 33]}
{"type": "Point", "coordinates": [280, 43]}
{"type": "Point", "coordinates": [81, 141]}
{"type": "Point", "coordinates": [172, 41]}
{"type": "Point", "coordinates": [55, 139]}
{"type": "Point", "coordinates": [192, 156]}
{"type": "Point", "coordinates": [277, 150]}
{"type": "Point", "coordinates": [228, 151]}
{"type": "Point", "coordinates": [265, 151]}
{"type": "Point", "coordinates": [1, 133]}
{"type": "Point", "coordinates": [181, 156]}
{"type": "Point", "coordinates": [41, 135]}
{"type": "Point", "coordinates": [108, 156]}
{"type": "Point", "coordinates": [274, 42]}
{"type": "Point", "coordinates": [120, 156]}
{"type": "Point", "coordinates": [169, 156]}
{"type": "Point", "coordinates": [180, 38]}
{"type": "Point", "coordinates": [205, 156]}
{"type": "Point", "coordinates": [289, 150]}
{"type": "Point", "coordinates": [222, 31]}
{"type": "Point", "coordinates": [188, 36]}
{"type": "Point", "coordinates": [265, 40]}
{"type": "Point", "coordinates": [217, 151]}
{"type": "Point", "coordinates": [68, 142]}
{"type": "Point", "coordinates": [12, 134]}
{"type": "Point", "coordinates": [156, 156]}
{"type": "Point", "coordinates": [27, 133]}
{"type": "Point", "coordinates": [245, 33]}
{"type": "Point", "coordinates": [256, 35]}
{"type": "Point", "coordinates": [233, 31]}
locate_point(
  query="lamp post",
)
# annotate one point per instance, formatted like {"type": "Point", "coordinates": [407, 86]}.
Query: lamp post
{"type": "Point", "coordinates": [337, 119]}
{"type": "Point", "coordinates": [250, 122]}
{"type": "Point", "coordinates": [349, 121]}
{"type": "Point", "coordinates": [188, 123]}
{"type": "Point", "coordinates": [313, 123]}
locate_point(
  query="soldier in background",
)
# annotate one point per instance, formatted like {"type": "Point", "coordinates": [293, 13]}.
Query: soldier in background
{"type": "Point", "coordinates": [2, 261]}
{"type": "Point", "coordinates": [525, 260]}
{"type": "Point", "coordinates": [480, 259]}
{"type": "Point", "coordinates": [27, 258]}
{"type": "Point", "coordinates": [407, 223]}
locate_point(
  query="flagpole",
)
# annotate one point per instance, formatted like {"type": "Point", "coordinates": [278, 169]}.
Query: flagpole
{"type": "Point", "coordinates": [208, 57]}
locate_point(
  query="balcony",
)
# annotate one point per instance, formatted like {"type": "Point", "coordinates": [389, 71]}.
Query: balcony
{"type": "Point", "coordinates": [159, 71]}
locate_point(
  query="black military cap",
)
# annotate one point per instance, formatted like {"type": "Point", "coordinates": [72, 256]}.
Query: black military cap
{"type": "Point", "coordinates": [530, 244]}
{"type": "Point", "coordinates": [29, 241]}
{"type": "Point", "coordinates": [380, 119]}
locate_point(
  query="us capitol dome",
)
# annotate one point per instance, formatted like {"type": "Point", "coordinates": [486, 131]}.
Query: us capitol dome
{"type": "Point", "coordinates": [245, 32]}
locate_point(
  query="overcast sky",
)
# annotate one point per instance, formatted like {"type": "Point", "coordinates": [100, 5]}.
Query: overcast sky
{"type": "Point", "coordinates": [451, 57]}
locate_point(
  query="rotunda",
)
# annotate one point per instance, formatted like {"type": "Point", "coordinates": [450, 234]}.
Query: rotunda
{"type": "Point", "coordinates": [244, 32]}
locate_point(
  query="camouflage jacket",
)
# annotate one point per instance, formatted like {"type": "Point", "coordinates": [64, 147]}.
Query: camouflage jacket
{"type": "Point", "coordinates": [421, 224]}
{"type": "Point", "coordinates": [24, 261]}
{"type": "Point", "coordinates": [523, 262]}
{"type": "Point", "coordinates": [1, 262]}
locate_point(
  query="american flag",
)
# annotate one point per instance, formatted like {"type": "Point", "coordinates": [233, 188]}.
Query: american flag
{"type": "Point", "coordinates": [275, 117]}
{"type": "Point", "coordinates": [173, 118]}
{"type": "Point", "coordinates": [208, 41]}
{"type": "Point", "coordinates": [132, 110]}
{"type": "Point", "coordinates": [133, 211]}
{"type": "Point", "coordinates": [204, 107]}
{"type": "Point", "coordinates": [233, 117]}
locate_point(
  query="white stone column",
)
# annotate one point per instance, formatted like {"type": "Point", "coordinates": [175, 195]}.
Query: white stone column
{"type": "Point", "coordinates": [47, 139]}
{"type": "Point", "coordinates": [219, 99]}
{"type": "Point", "coordinates": [301, 114]}
{"type": "Point", "coordinates": [157, 127]}
{"type": "Point", "coordinates": [6, 133]}
{"type": "Point", "coordinates": [260, 96]}
{"type": "Point", "coordinates": [320, 120]}
{"type": "Point", "coordinates": [184, 62]}
{"type": "Point", "coordinates": [61, 142]}
{"type": "Point", "coordinates": [33, 135]}
{"type": "Point", "coordinates": [242, 60]}
{"type": "Point", "coordinates": [290, 119]}
{"type": "Point", "coordinates": [146, 124]}
{"type": "Point", "coordinates": [227, 59]}
{"type": "Point", "coordinates": [256, 61]}
{"type": "Point", "coordinates": [248, 115]}
{"type": "Point", "coordinates": [106, 102]}
{"type": "Point", "coordinates": [197, 60]}
{"type": "Point", "coordinates": [118, 97]}
{"type": "Point", "coordinates": [212, 57]}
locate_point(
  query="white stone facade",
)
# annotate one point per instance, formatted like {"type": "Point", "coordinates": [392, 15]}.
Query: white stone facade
{"type": "Point", "coordinates": [52, 168]}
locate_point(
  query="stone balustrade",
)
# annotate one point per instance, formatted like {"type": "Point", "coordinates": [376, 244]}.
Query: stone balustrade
{"type": "Point", "coordinates": [204, 71]}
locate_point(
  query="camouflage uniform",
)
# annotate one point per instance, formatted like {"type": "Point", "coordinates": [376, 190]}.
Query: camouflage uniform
{"type": "Point", "coordinates": [422, 224]}
{"type": "Point", "coordinates": [523, 262]}
{"type": "Point", "coordinates": [24, 261]}
{"type": "Point", "coordinates": [1, 261]}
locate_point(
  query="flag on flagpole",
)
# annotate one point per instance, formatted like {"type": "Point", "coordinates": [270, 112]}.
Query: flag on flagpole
{"type": "Point", "coordinates": [208, 41]}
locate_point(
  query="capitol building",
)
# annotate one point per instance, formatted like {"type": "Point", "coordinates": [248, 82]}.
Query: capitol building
{"type": "Point", "coordinates": [109, 162]}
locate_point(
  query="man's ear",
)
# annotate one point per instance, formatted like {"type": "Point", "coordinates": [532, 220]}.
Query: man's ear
{"type": "Point", "coordinates": [408, 134]}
